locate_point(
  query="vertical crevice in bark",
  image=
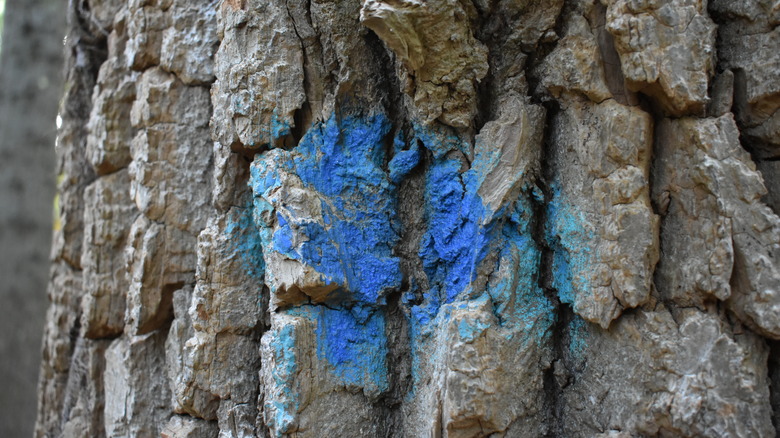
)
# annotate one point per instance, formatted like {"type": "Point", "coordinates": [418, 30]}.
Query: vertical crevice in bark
{"type": "Point", "coordinates": [399, 361]}
{"type": "Point", "coordinates": [774, 378]}
{"type": "Point", "coordinates": [411, 198]}
{"type": "Point", "coordinates": [310, 45]}
{"type": "Point", "coordinates": [553, 385]}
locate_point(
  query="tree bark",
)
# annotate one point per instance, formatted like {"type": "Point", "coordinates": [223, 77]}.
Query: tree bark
{"type": "Point", "coordinates": [441, 218]}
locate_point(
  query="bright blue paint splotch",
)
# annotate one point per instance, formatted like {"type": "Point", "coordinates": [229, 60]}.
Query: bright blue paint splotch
{"type": "Point", "coordinates": [403, 161]}
{"type": "Point", "coordinates": [456, 240]}
{"type": "Point", "coordinates": [354, 344]}
{"type": "Point", "coordinates": [461, 228]}
{"type": "Point", "coordinates": [356, 349]}
{"type": "Point", "coordinates": [283, 239]}
{"type": "Point", "coordinates": [342, 161]}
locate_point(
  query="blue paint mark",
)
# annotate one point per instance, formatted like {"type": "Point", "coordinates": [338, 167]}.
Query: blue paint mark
{"type": "Point", "coordinates": [340, 164]}
{"type": "Point", "coordinates": [469, 332]}
{"type": "Point", "coordinates": [567, 233]}
{"type": "Point", "coordinates": [353, 342]}
{"type": "Point", "coordinates": [456, 241]}
{"type": "Point", "coordinates": [245, 242]}
{"type": "Point", "coordinates": [356, 349]}
{"type": "Point", "coordinates": [578, 338]}
{"type": "Point", "coordinates": [286, 404]}
{"type": "Point", "coordinates": [283, 240]}
{"type": "Point", "coordinates": [439, 139]}
{"type": "Point", "coordinates": [279, 128]}
{"type": "Point", "coordinates": [341, 161]}
{"type": "Point", "coordinates": [403, 160]}
{"type": "Point", "coordinates": [520, 302]}
{"type": "Point", "coordinates": [462, 230]}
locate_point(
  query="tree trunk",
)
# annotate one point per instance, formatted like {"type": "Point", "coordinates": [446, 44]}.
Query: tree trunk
{"type": "Point", "coordinates": [407, 218]}
{"type": "Point", "coordinates": [30, 87]}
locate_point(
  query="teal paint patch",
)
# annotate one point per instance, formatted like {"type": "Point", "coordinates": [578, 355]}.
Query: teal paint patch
{"type": "Point", "coordinates": [470, 332]}
{"type": "Point", "coordinates": [439, 139]}
{"type": "Point", "coordinates": [577, 331]}
{"type": "Point", "coordinates": [279, 128]}
{"type": "Point", "coordinates": [520, 303]}
{"type": "Point", "coordinates": [461, 232]}
{"type": "Point", "coordinates": [569, 236]}
{"type": "Point", "coordinates": [285, 402]}
{"type": "Point", "coordinates": [245, 242]}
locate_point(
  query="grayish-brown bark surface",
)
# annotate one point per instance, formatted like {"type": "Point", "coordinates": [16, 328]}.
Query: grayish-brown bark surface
{"type": "Point", "coordinates": [507, 218]}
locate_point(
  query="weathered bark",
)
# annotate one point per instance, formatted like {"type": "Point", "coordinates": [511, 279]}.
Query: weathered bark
{"type": "Point", "coordinates": [30, 87]}
{"type": "Point", "coordinates": [416, 218]}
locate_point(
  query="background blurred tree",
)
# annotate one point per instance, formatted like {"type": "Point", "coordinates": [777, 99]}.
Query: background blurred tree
{"type": "Point", "coordinates": [30, 78]}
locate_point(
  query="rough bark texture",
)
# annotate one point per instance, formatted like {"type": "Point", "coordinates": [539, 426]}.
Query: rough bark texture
{"type": "Point", "coordinates": [30, 87]}
{"type": "Point", "coordinates": [441, 218]}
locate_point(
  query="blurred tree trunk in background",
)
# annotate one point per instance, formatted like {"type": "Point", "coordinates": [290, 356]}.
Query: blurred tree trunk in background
{"type": "Point", "coordinates": [30, 88]}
